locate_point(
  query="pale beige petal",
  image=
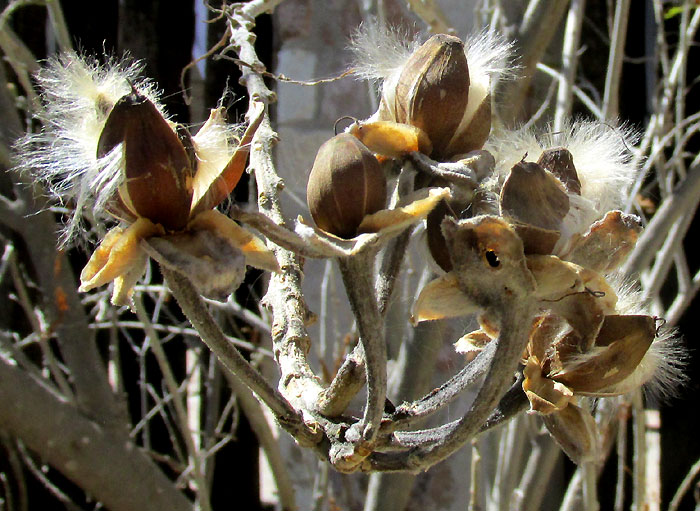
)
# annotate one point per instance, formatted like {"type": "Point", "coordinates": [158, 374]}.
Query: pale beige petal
{"type": "Point", "coordinates": [442, 299]}
{"type": "Point", "coordinates": [254, 249]}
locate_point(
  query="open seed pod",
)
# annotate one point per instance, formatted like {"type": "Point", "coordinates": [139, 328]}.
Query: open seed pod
{"type": "Point", "coordinates": [346, 184]}
{"type": "Point", "coordinates": [158, 170]}
{"type": "Point", "coordinates": [432, 90]}
{"type": "Point", "coordinates": [533, 196]}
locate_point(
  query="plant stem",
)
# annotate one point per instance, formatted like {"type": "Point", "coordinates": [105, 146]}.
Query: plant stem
{"type": "Point", "coordinates": [514, 329]}
{"type": "Point", "coordinates": [359, 285]}
{"type": "Point", "coordinates": [196, 311]}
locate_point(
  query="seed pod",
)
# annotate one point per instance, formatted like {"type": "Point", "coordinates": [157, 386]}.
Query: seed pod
{"type": "Point", "coordinates": [346, 184]}
{"type": "Point", "coordinates": [475, 127]}
{"type": "Point", "coordinates": [533, 196]}
{"type": "Point", "coordinates": [574, 429]}
{"type": "Point", "coordinates": [158, 173]}
{"type": "Point", "coordinates": [436, 241]}
{"type": "Point", "coordinates": [432, 90]}
{"type": "Point", "coordinates": [560, 162]}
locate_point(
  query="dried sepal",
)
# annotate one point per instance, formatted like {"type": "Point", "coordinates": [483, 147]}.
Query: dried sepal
{"type": "Point", "coordinates": [346, 184]}
{"type": "Point", "coordinates": [533, 196]}
{"type": "Point", "coordinates": [157, 170]}
{"type": "Point", "coordinates": [253, 248]}
{"type": "Point", "coordinates": [607, 243]}
{"type": "Point", "coordinates": [574, 429]}
{"type": "Point", "coordinates": [391, 139]}
{"type": "Point", "coordinates": [117, 253]}
{"type": "Point", "coordinates": [124, 283]}
{"type": "Point", "coordinates": [379, 227]}
{"type": "Point", "coordinates": [412, 208]}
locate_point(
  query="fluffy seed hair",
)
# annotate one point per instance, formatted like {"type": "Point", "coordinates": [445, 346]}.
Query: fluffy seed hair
{"type": "Point", "coordinates": [380, 51]}
{"type": "Point", "coordinates": [490, 54]}
{"type": "Point", "coordinates": [78, 92]}
{"type": "Point", "coordinates": [602, 156]}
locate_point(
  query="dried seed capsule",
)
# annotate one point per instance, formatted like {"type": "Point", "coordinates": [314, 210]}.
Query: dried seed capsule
{"type": "Point", "coordinates": [475, 126]}
{"type": "Point", "coordinates": [534, 196]}
{"type": "Point", "coordinates": [432, 90]}
{"type": "Point", "coordinates": [157, 169]}
{"type": "Point", "coordinates": [346, 183]}
{"type": "Point", "coordinates": [436, 241]}
{"type": "Point", "coordinates": [560, 162]}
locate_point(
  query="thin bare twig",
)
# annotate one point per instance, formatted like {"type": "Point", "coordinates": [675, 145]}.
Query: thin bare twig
{"type": "Point", "coordinates": [684, 487]}
{"type": "Point", "coordinates": [509, 347]}
{"type": "Point", "coordinates": [539, 24]}
{"type": "Point", "coordinates": [193, 448]}
{"type": "Point", "coordinates": [569, 61]}
{"type": "Point", "coordinates": [611, 95]}
{"type": "Point", "coordinates": [195, 310]}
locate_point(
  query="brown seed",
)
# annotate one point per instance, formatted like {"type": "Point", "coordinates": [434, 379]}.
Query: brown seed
{"type": "Point", "coordinates": [346, 184]}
